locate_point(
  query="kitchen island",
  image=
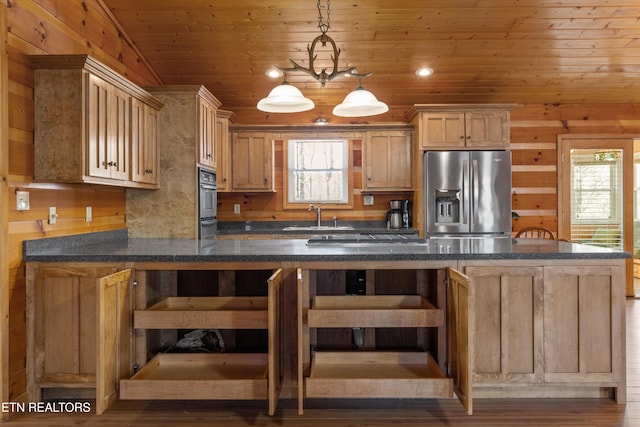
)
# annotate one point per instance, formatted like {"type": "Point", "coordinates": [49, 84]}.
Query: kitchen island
{"type": "Point", "coordinates": [478, 317]}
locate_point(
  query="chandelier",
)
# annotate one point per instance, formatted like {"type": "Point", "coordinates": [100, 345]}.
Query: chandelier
{"type": "Point", "coordinates": [286, 98]}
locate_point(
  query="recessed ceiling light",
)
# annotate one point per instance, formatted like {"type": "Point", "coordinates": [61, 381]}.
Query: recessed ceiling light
{"type": "Point", "coordinates": [274, 73]}
{"type": "Point", "coordinates": [424, 72]}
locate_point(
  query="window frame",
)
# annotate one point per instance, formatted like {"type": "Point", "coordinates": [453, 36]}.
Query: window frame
{"type": "Point", "coordinates": [286, 203]}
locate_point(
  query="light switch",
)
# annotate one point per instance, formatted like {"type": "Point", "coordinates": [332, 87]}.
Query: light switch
{"type": "Point", "coordinates": [22, 200]}
{"type": "Point", "coordinates": [236, 208]}
{"type": "Point", "coordinates": [53, 215]}
{"type": "Point", "coordinates": [368, 199]}
{"type": "Point", "coordinates": [89, 214]}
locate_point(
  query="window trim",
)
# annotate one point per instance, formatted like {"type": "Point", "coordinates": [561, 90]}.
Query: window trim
{"type": "Point", "coordinates": [285, 173]}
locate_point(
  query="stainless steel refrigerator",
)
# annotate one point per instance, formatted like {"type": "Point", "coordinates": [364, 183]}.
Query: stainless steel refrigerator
{"type": "Point", "coordinates": [467, 193]}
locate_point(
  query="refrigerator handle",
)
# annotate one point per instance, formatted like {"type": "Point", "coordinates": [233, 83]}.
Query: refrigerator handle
{"type": "Point", "coordinates": [465, 189]}
{"type": "Point", "coordinates": [475, 190]}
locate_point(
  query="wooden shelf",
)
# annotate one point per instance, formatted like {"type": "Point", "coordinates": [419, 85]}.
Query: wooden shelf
{"type": "Point", "coordinates": [200, 376]}
{"type": "Point", "coordinates": [376, 375]}
{"type": "Point", "coordinates": [203, 312]}
{"type": "Point", "coordinates": [374, 311]}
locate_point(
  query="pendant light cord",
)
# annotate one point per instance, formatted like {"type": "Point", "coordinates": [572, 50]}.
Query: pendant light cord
{"type": "Point", "coordinates": [321, 25]}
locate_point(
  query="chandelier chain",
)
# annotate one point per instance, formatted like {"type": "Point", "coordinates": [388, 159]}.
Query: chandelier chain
{"type": "Point", "coordinates": [321, 24]}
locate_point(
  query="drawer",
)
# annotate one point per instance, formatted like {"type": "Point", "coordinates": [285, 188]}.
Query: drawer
{"type": "Point", "coordinates": [376, 375]}
{"type": "Point", "coordinates": [199, 376]}
{"type": "Point", "coordinates": [204, 313]}
{"type": "Point", "coordinates": [374, 311]}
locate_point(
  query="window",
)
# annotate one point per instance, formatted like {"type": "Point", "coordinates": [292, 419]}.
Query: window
{"type": "Point", "coordinates": [318, 171]}
{"type": "Point", "coordinates": [596, 196]}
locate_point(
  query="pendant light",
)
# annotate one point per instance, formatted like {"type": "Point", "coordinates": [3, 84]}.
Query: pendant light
{"type": "Point", "coordinates": [285, 99]}
{"type": "Point", "coordinates": [360, 103]}
{"type": "Point", "coordinates": [288, 99]}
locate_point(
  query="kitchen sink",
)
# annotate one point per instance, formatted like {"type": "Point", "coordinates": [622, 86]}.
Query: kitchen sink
{"type": "Point", "coordinates": [374, 239]}
{"type": "Point", "coordinates": [317, 228]}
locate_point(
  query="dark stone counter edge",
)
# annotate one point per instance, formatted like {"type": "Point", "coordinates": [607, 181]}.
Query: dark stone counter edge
{"type": "Point", "coordinates": [321, 258]}
{"type": "Point", "coordinates": [48, 250]}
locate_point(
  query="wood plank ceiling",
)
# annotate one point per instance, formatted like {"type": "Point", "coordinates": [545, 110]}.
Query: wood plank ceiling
{"type": "Point", "coordinates": [482, 51]}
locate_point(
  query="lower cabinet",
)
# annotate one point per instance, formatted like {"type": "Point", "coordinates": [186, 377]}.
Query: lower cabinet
{"type": "Point", "coordinates": [228, 375]}
{"type": "Point", "coordinates": [556, 329]}
{"type": "Point", "coordinates": [89, 331]}
{"type": "Point", "coordinates": [380, 345]}
{"type": "Point", "coordinates": [78, 323]}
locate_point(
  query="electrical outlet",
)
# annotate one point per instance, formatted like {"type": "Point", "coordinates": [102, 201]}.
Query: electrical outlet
{"type": "Point", "coordinates": [368, 199]}
{"type": "Point", "coordinates": [236, 208]}
{"type": "Point", "coordinates": [53, 216]}
{"type": "Point", "coordinates": [22, 200]}
{"type": "Point", "coordinates": [89, 214]}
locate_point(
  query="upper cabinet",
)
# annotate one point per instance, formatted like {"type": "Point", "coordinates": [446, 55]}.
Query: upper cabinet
{"type": "Point", "coordinates": [207, 107]}
{"type": "Point", "coordinates": [462, 127]}
{"type": "Point", "coordinates": [387, 160]}
{"type": "Point", "coordinates": [251, 162]}
{"type": "Point", "coordinates": [89, 127]}
{"type": "Point", "coordinates": [223, 119]}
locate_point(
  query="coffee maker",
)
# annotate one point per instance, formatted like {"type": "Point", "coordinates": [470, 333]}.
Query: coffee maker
{"type": "Point", "coordinates": [398, 215]}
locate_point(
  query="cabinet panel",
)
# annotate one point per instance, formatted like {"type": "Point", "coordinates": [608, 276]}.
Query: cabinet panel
{"type": "Point", "coordinates": [487, 129]}
{"type": "Point", "coordinates": [251, 162]}
{"type": "Point", "coordinates": [508, 334]}
{"type": "Point", "coordinates": [207, 133]}
{"type": "Point", "coordinates": [108, 130]}
{"type": "Point", "coordinates": [582, 324]}
{"type": "Point", "coordinates": [388, 161]}
{"type": "Point", "coordinates": [443, 130]}
{"type": "Point", "coordinates": [145, 165]}
{"type": "Point", "coordinates": [222, 154]}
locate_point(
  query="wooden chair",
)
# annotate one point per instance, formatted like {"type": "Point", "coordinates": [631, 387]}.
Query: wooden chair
{"type": "Point", "coordinates": [536, 233]}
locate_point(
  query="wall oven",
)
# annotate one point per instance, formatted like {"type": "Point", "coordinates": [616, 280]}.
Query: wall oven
{"type": "Point", "coordinates": [208, 204]}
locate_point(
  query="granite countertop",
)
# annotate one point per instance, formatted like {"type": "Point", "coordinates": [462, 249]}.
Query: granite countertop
{"type": "Point", "coordinates": [114, 246]}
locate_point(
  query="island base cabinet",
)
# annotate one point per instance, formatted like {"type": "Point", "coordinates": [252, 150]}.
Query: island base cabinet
{"type": "Point", "coordinates": [553, 330]}
{"type": "Point", "coordinates": [224, 376]}
{"type": "Point", "coordinates": [378, 373]}
{"type": "Point", "coordinates": [78, 323]}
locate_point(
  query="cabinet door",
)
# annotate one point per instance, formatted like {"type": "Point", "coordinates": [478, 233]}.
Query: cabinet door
{"type": "Point", "coordinates": [206, 133]}
{"type": "Point", "coordinates": [461, 326]}
{"type": "Point", "coordinates": [108, 130]}
{"type": "Point", "coordinates": [222, 154]}
{"type": "Point", "coordinates": [113, 336]}
{"type": "Point", "coordinates": [584, 324]}
{"type": "Point", "coordinates": [487, 129]}
{"type": "Point", "coordinates": [443, 130]}
{"type": "Point", "coordinates": [144, 143]}
{"type": "Point", "coordinates": [508, 340]}
{"type": "Point", "coordinates": [274, 285]}
{"type": "Point", "coordinates": [388, 161]}
{"type": "Point", "coordinates": [251, 162]}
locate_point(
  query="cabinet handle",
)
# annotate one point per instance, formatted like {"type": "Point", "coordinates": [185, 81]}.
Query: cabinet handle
{"type": "Point", "coordinates": [461, 136]}
{"type": "Point", "coordinates": [369, 179]}
{"type": "Point", "coordinates": [469, 137]}
{"type": "Point", "coordinates": [266, 180]}
{"type": "Point", "coordinates": [149, 171]}
{"type": "Point", "coordinates": [224, 179]}
{"type": "Point", "coordinates": [209, 156]}
{"type": "Point", "coordinates": [114, 164]}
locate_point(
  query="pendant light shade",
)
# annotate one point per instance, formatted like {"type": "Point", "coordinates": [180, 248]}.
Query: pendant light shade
{"type": "Point", "coordinates": [285, 99]}
{"type": "Point", "coordinates": [360, 103]}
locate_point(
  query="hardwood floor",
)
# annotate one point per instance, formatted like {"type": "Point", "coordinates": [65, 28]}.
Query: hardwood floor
{"type": "Point", "coordinates": [436, 412]}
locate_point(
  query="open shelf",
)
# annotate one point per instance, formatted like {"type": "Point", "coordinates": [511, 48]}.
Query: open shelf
{"type": "Point", "coordinates": [202, 312]}
{"type": "Point", "coordinates": [200, 376]}
{"type": "Point", "coordinates": [374, 311]}
{"type": "Point", "coordinates": [376, 375]}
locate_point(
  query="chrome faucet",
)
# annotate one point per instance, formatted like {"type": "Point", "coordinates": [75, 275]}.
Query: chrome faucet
{"type": "Point", "coordinates": [318, 212]}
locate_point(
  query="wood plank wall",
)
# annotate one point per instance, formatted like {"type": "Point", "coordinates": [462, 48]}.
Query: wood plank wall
{"type": "Point", "coordinates": [53, 27]}
{"type": "Point", "coordinates": [534, 134]}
